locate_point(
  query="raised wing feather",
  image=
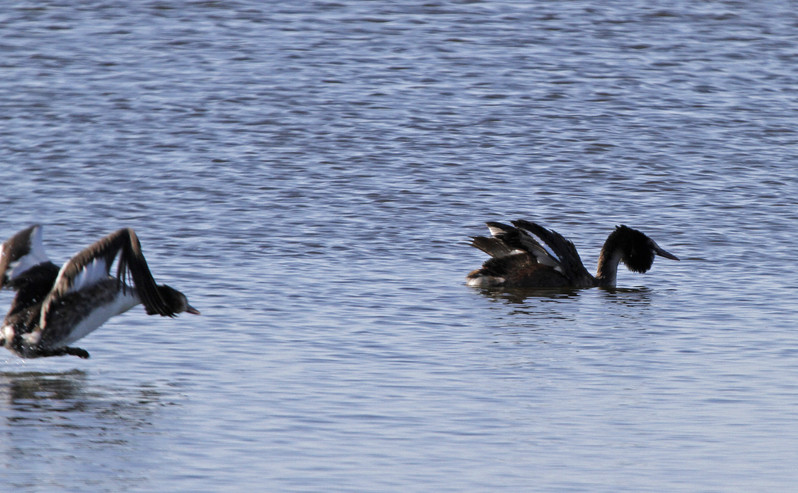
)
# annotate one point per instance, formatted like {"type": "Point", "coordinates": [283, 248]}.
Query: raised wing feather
{"type": "Point", "coordinates": [494, 247]}
{"type": "Point", "coordinates": [510, 240]}
{"type": "Point", "coordinates": [93, 264]}
{"type": "Point", "coordinates": [21, 252]}
{"type": "Point", "coordinates": [570, 265]}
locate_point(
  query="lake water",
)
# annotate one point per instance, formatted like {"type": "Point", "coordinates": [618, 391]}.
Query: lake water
{"type": "Point", "coordinates": [309, 174]}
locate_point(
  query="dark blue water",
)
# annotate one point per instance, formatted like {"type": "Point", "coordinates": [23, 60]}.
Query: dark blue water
{"type": "Point", "coordinates": [309, 173]}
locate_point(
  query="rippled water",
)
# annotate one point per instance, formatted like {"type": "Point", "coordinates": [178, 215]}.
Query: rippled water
{"type": "Point", "coordinates": [309, 174]}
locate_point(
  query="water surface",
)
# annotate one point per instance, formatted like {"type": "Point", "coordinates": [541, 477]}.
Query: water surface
{"type": "Point", "coordinates": [309, 174]}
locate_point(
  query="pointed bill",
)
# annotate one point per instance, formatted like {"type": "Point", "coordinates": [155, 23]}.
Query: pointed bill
{"type": "Point", "coordinates": [663, 253]}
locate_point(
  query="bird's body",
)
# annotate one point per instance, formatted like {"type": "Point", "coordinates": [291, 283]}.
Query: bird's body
{"type": "Point", "coordinates": [55, 307]}
{"type": "Point", "coordinates": [527, 255]}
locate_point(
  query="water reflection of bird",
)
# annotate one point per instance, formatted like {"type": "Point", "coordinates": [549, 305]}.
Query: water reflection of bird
{"type": "Point", "coordinates": [529, 255]}
{"type": "Point", "coordinates": [55, 307]}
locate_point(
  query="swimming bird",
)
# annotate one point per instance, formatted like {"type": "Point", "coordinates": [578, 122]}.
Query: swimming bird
{"type": "Point", "coordinates": [531, 256]}
{"type": "Point", "coordinates": [54, 307]}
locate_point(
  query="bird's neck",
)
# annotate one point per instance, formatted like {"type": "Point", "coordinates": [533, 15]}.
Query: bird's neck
{"type": "Point", "coordinates": [607, 272]}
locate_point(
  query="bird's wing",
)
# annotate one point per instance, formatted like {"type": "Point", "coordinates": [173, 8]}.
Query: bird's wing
{"type": "Point", "coordinates": [494, 247]}
{"type": "Point", "coordinates": [556, 248]}
{"type": "Point", "coordinates": [21, 252]}
{"type": "Point", "coordinates": [93, 264]}
{"type": "Point", "coordinates": [510, 240]}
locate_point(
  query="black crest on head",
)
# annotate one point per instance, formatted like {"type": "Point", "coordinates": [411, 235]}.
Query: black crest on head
{"type": "Point", "coordinates": [638, 253]}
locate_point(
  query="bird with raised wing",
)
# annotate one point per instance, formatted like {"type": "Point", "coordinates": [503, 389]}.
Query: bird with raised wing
{"type": "Point", "coordinates": [55, 307]}
{"type": "Point", "coordinates": [527, 255]}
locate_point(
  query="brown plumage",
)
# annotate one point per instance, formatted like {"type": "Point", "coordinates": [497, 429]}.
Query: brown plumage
{"type": "Point", "coordinates": [527, 255]}
{"type": "Point", "coordinates": [54, 307]}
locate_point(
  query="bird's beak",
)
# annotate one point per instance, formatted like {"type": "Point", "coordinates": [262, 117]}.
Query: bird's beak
{"type": "Point", "coordinates": [190, 309]}
{"type": "Point", "coordinates": [663, 253]}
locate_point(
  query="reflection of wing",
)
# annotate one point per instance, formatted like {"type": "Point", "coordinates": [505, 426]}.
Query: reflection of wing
{"type": "Point", "coordinates": [93, 265]}
{"type": "Point", "coordinates": [21, 252]}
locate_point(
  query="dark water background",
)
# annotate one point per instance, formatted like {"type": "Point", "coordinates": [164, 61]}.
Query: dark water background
{"type": "Point", "coordinates": [309, 173]}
